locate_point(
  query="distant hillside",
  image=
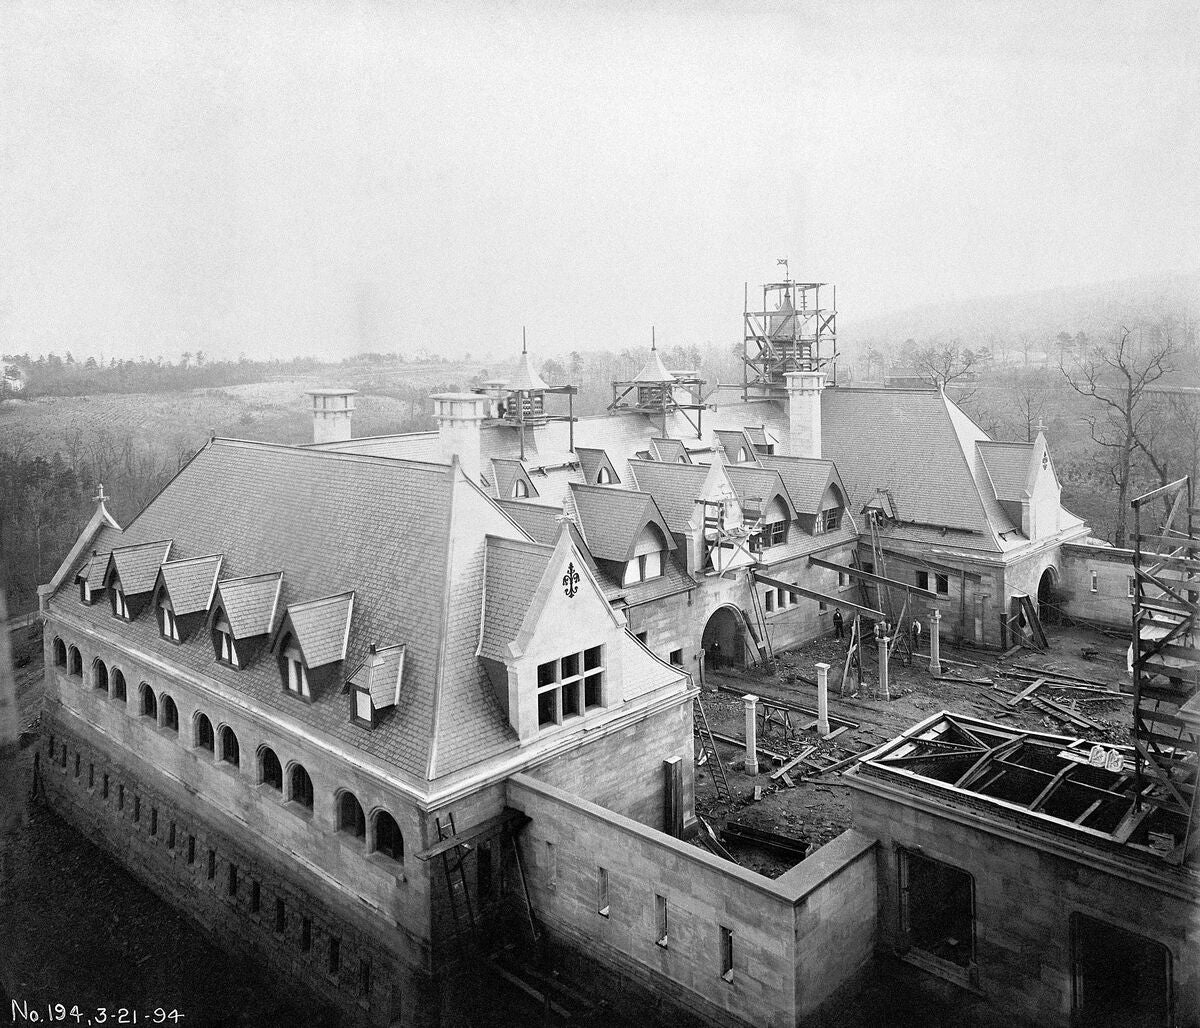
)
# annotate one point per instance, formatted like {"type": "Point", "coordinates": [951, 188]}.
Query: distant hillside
{"type": "Point", "coordinates": [1094, 310]}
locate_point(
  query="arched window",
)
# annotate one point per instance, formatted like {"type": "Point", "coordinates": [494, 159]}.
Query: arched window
{"type": "Point", "coordinates": [647, 562]}
{"type": "Point", "coordinates": [295, 675]}
{"type": "Point", "coordinates": [147, 701]}
{"type": "Point", "coordinates": [603, 476]}
{"type": "Point", "coordinates": [681, 459]}
{"type": "Point", "coordinates": [269, 770]}
{"type": "Point", "coordinates": [166, 619]}
{"type": "Point", "coordinates": [170, 713]}
{"type": "Point", "coordinates": [100, 674]}
{"type": "Point", "coordinates": [388, 840]}
{"type": "Point", "coordinates": [300, 787]}
{"type": "Point", "coordinates": [742, 456]}
{"type": "Point", "coordinates": [775, 523]}
{"type": "Point", "coordinates": [830, 517]}
{"type": "Point", "coordinates": [230, 751]}
{"type": "Point", "coordinates": [223, 642]}
{"type": "Point", "coordinates": [75, 662]}
{"type": "Point", "coordinates": [520, 490]}
{"type": "Point", "coordinates": [204, 733]}
{"type": "Point", "coordinates": [350, 817]}
{"type": "Point", "coordinates": [60, 652]}
{"type": "Point", "coordinates": [120, 606]}
{"type": "Point", "coordinates": [117, 684]}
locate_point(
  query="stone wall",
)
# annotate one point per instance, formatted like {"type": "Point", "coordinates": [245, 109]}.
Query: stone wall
{"type": "Point", "coordinates": [1109, 603]}
{"type": "Point", "coordinates": [307, 929]}
{"type": "Point", "coordinates": [794, 940]}
{"type": "Point", "coordinates": [1024, 896]}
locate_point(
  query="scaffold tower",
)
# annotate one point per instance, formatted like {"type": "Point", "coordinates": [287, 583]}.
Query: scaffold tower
{"type": "Point", "coordinates": [795, 329]}
{"type": "Point", "coordinates": [659, 393]}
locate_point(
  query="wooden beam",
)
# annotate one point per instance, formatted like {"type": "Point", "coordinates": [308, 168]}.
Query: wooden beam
{"type": "Point", "coordinates": [877, 579]}
{"type": "Point", "coordinates": [834, 601]}
{"type": "Point", "coordinates": [792, 763]}
{"type": "Point", "coordinates": [933, 565]}
{"type": "Point", "coordinates": [1170, 487]}
{"type": "Point", "coordinates": [508, 816]}
{"type": "Point", "coordinates": [1027, 693]}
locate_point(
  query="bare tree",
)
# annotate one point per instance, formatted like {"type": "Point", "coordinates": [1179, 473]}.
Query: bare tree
{"type": "Point", "coordinates": [1030, 398]}
{"type": "Point", "coordinates": [1117, 375]}
{"type": "Point", "coordinates": [942, 365]}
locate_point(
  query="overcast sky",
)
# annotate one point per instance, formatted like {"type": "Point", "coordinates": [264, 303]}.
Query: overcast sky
{"type": "Point", "coordinates": [292, 177]}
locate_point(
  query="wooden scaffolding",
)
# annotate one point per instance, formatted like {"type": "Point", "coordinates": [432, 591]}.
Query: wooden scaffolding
{"type": "Point", "coordinates": [1165, 655]}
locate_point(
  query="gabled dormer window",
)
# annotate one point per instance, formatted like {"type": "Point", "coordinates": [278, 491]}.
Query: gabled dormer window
{"type": "Point", "coordinates": [520, 490]}
{"type": "Point", "coordinates": [167, 623]}
{"type": "Point", "coordinates": [120, 605]}
{"type": "Point", "coordinates": [647, 562]}
{"type": "Point", "coordinates": [603, 476]}
{"type": "Point", "coordinates": [295, 678]}
{"type": "Point", "coordinates": [224, 643]}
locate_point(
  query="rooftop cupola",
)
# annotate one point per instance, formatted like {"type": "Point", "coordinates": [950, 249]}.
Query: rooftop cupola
{"type": "Point", "coordinates": [520, 400]}
{"type": "Point", "coordinates": [332, 410]}
{"type": "Point", "coordinates": [656, 391]}
{"type": "Point", "coordinates": [794, 329]}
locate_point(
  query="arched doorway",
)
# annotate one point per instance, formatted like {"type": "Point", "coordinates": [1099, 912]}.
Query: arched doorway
{"type": "Point", "coordinates": [724, 640]}
{"type": "Point", "coordinates": [1047, 596]}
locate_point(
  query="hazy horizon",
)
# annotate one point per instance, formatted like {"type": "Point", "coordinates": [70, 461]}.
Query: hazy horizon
{"type": "Point", "coordinates": [328, 178]}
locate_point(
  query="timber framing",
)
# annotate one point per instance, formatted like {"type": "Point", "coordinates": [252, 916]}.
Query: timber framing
{"type": "Point", "coordinates": [891, 583]}
{"type": "Point", "coordinates": [813, 594]}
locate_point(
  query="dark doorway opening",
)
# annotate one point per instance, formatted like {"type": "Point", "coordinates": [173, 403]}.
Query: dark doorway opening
{"type": "Point", "coordinates": [1120, 978]}
{"type": "Point", "coordinates": [1047, 597]}
{"type": "Point", "coordinates": [723, 640]}
{"type": "Point", "coordinates": [937, 908]}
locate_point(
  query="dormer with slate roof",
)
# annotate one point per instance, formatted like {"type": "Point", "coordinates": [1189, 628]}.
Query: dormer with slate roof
{"type": "Point", "coordinates": [672, 451]}
{"type": "Point", "coordinates": [737, 445]}
{"type": "Point", "coordinates": [311, 641]}
{"type": "Point", "coordinates": [1024, 483]}
{"type": "Point", "coordinates": [243, 617]}
{"type": "Point", "coordinates": [375, 684]}
{"type": "Point", "coordinates": [816, 489]}
{"type": "Point", "coordinates": [131, 574]}
{"type": "Point", "coordinates": [183, 594]}
{"type": "Point", "coordinates": [624, 531]}
{"type": "Point", "coordinates": [91, 577]}
{"type": "Point", "coordinates": [596, 467]}
{"type": "Point", "coordinates": [512, 481]}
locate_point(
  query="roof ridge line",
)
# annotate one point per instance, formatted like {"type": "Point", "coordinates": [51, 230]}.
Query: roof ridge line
{"type": "Point", "coordinates": [310, 451]}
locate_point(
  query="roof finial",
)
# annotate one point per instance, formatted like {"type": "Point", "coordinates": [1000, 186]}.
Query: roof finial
{"type": "Point", "coordinates": [100, 497]}
{"type": "Point", "coordinates": [1039, 427]}
{"type": "Point", "coordinates": [523, 349]}
{"type": "Point", "coordinates": [653, 341]}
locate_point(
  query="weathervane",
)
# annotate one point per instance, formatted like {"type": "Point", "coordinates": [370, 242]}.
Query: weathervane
{"type": "Point", "coordinates": [99, 497]}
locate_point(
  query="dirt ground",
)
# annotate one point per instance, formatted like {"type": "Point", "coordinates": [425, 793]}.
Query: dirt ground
{"type": "Point", "coordinates": [818, 809]}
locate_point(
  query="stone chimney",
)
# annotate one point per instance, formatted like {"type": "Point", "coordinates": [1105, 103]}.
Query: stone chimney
{"type": "Point", "coordinates": [804, 412]}
{"type": "Point", "coordinates": [332, 410]}
{"type": "Point", "coordinates": [459, 416]}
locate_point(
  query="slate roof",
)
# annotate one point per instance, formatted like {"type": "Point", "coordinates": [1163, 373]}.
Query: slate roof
{"type": "Point", "coordinates": [670, 451]}
{"type": "Point", "coordinates": [610, 519]}
{"type": "Point", "coordinates": [190, 583]}
{"type": "Point", "coordinates": [94, 570]}
{"type": "Point", "coordinates": [137, 566]}
{"type": "Point", "coordinates": [513, 569]}
{"type": "Point", "coordinates": [732, 441]}
{"type": "Point", "coordinates": [525, 378]}
{"type": "Point", "coordinates": [322, 627]}
{"type": "Point", "coordinates": [674, 579]}
{"type": "Point", "coordinates": [251, 604]}
{"type": "Point", "coordinates": [591, 460]}
{"type": "Point", "coordinates": [1007, 466]}
{"type": "Point", "coordinates": [381, 674]}
{"type": "Point", "coordinates": [268, 508]}
{"type": "Point", "coordinates": [538, 520]}
{"type": "Point", "coordinates": [906, 442]}
{"type": "Point", "coordinates": [754, 483]}
{"type": "Point", "coordinates": [653, 370]}
{"type": "Point", "coordinates": [806, 479]}
{"type": "Point", "coordinates": [674, 487]}
{"type": "Point", "coordinates": [505, 475]}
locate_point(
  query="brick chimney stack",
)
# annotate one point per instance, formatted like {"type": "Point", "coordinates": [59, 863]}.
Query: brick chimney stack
{"type": "Point", "coordinates": [804, 390]}
{"type": "Point", "coordinates": [332, 410]}
{"type": "Point", "coordinates": [459, 417]}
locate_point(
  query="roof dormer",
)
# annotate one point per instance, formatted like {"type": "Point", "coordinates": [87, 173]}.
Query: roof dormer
{"type": "Point", "coordinates": [311, 642]}
{"type": "Point", "coordinates": [244, 612]}
{"type": "Point", "coordinates": [91, 577]}
{"type": "Point", "coordinates": [131, 574]}
{"type": "Point", "coordinates": [375, 684]}
{"type": "Point", "coordinates": [183, 594]}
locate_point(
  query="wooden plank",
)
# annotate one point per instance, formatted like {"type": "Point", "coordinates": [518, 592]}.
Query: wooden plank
{"type": "Point", "coordinates": [836, 732]}
{"type": "Point", "coordinates": [891, 583]}
{"type": "Point", "coordinates": [1175, 542]}
{"type": "Point", "coordinates": [812, 594]}
{"type": "Point", "coordinates": [1082, 720]}
{"type": "Point", "coordinates": [1059, 675]}
{"type": "Point", "coordinates": [508, 816]}
{"type": "Point", "coordinates": [1027, 693]}
{"type": "Point", "coordinates": [1163, 490]}
{"type": "Point", "coordinates": [734, 741]}
{"type": "Point", "coordinates": [776, 775]}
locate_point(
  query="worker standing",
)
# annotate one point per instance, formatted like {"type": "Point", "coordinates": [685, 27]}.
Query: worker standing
{"type": "Point", "coordinates": [839, 629]}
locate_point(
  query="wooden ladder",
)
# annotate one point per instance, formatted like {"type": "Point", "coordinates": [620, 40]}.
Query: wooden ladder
{"type": "Point", "coordinates": [453, 864]}
{"type": "Point", "coordinates": [709, 748]}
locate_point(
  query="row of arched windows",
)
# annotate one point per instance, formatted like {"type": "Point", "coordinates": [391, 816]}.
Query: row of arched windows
{"type": "Point", "coordinates": [384, 835]}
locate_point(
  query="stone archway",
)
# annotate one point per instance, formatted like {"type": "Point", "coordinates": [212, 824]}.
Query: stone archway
{"type": "Point", "coordinates": [724, 639]}
{"type": "Point", "coordinates": [1048, 600]}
